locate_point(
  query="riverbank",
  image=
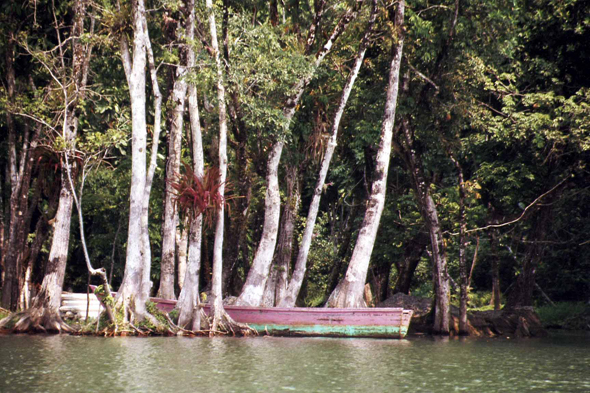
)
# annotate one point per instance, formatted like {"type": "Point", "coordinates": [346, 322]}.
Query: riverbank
{"type": "Point", "coordinates": [522, 323]}
{"type": "Point", "coordinates": [525, 322]}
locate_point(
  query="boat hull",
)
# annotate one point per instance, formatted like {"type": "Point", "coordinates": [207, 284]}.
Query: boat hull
{"type": "Point", "coordinates": [325, 322]}
{"type": "Point", "coordinates": [332, 322]}
{"type": "Point", "coordinates": [367, 322]}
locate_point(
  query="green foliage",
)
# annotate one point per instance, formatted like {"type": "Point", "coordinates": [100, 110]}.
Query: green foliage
{"type": "Point", "coordinates": [511, 105]}
{"type": "Point", "coordinates": [320, 261]}
{"type": "Point", "coordinates": [480, 300]}
{"type": "Point", "coordinates": [569, 315]}
{"type": "Point", "coordinates": [159, 315]}
{"type": "Point", "coordinates": [4, 313]}
{"type": "Point", "coordinates": [262, 81]}
{"type": "Point", "coordinates": [424, 289]}
{"type": "Point", "coordinates": [174, 315]}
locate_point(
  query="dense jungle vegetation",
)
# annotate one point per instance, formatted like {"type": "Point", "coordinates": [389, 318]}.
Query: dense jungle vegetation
{"type": "Point", "coordinates": [293, 152]}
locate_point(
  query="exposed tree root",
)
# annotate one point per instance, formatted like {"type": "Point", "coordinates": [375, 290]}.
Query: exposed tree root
{"type": "Point", "coordinates": [191, 319]}
{"type": "Point", "coordinates": [36, 319]}
{"type": "Point", "coordinates": [220, 322]}
{"type": "Point", "coordinates": [181, 331]}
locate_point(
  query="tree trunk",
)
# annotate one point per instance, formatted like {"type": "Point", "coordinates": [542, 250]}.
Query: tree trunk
{"type": "Point", "coordinates": [182, 251]}
{"type": "Point", "coordinates": [18, 230]}
{"type": "Point", "coordinates": [413, 252]}
{"type": "Point", "coordinates": [442, 309]}
{"type": "Point", "coordinates": [188, 300]}
{"type": "Point", "coordinates": [273, 12]}
{"type": "Point", "coordinates": [285, 248]}
{"type": "Point", "coordinates": [44, 313]}
{"type": "Point", "coordinates": [378, 283]}
{"type": "Point", "coordinates": [219, 318]}
{"type": "Point", "coordinates": [253, 289]}
{"type": "Point", "coordinates": [349, 292]}
{"type": "Point", "coordinates": [521, 295]}
{"type": "Point", "coordinates": [41, 236]}
{"type": "Point", "coordinates": [464, 277]}
{"type": "Point", "coordinates": [301, 264]}
{"type": "Point", "coordinates": [429, 213]}
{"type": "Point", "coordinates": [130, 293]}
{"type": "Point", "coordinates": [45, 308]}
{"type": "Point", "coordinates": [170, 220]}
{"type": "Point", "coordinates": [496, 293]}
{"type": "Point", "coordinates": [279, 274]}
{"type": "Point", "coordinates": [19, 172]}
{"type": "Point", "coordinates": [235, 253]}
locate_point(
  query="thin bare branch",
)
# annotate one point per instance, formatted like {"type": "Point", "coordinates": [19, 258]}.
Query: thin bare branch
{"type": "Point", "coordinates": [36, 119]}
{"type": "Point", "coordinates": [526, 209]}
{"type": "Point", "coordinates": [421, 75]}
{"type": "Point", "coordinates": [433, 7]}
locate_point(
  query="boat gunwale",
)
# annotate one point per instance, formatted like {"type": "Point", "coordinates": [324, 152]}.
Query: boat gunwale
{"type": "Point", "coordinates": [305, 310]}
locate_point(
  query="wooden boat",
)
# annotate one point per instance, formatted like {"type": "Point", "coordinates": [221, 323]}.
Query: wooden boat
{"type": "Point", "coordinates": [331, 322]}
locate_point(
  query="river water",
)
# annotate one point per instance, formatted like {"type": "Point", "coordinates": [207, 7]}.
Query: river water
{"type": "Point", "coordinates": [62, 363]}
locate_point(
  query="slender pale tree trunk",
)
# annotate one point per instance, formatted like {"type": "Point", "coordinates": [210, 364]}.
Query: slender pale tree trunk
{"type": "Point", "coordinates": [189, 295]}
{"type": "Point", "coordinates": [130, 293]}
{"type": "Point", "coordinates": [182, 247]}
{"type": "Point", "coordinates": [253, 290]}
{"type": "Point", "coordinates": [217, 311]}
{"type": "Point", "coordinates": [276, 285]}
{"type": "Point", "coordinates": [301, 263]}
{"type": "Point", "coordinates": [46, 304]}
{"type": "Point", "coordinates": [146, 284]}
{"type": "Point", "coordinates": [170, 221]}
{"type": "Point", "coordinates": [188, 300]}
{"type": "Point", "coordinates": [349, 292]}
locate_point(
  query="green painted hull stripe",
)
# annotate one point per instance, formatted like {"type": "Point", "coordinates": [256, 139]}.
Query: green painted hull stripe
{"type": "Point", "coordinates": [325, 330]}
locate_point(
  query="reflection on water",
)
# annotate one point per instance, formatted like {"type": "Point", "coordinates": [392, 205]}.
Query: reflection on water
{"type": "Point", "coordinates": [82, 364]}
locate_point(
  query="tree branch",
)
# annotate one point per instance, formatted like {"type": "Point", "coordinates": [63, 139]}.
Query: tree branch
{"type": "Point", "coordinates": [526, 209]}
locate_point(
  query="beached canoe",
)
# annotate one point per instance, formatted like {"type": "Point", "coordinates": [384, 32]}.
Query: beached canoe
{"type": "Point", "coordinates": [332, 322]}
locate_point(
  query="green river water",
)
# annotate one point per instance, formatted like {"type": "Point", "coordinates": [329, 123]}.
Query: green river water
{"type": "Point", "coordinates": [65, 363]}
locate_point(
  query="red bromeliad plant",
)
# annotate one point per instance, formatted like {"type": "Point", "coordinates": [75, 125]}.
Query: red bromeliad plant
{"type": "Point", "coordinates": [196, 195]}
